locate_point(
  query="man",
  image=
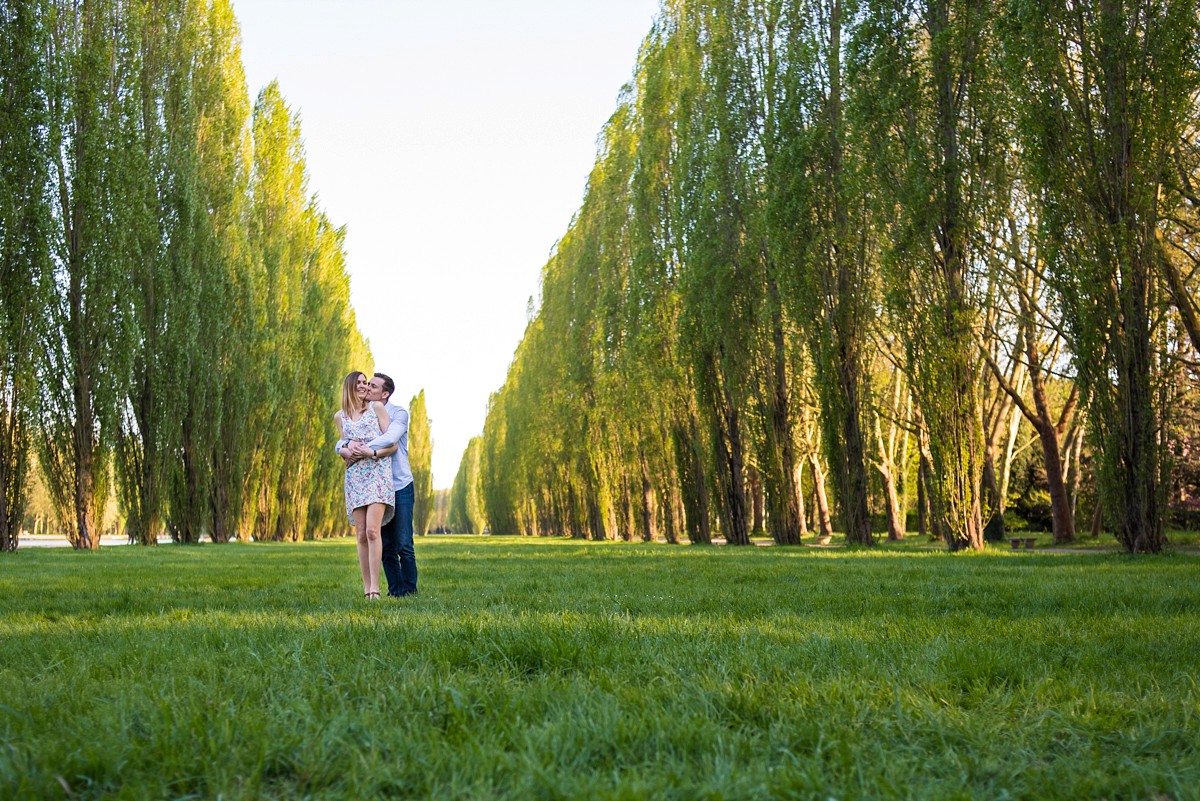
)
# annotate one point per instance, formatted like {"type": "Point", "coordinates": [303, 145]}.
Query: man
{"type": "Point", "coordinates": [399, 558]}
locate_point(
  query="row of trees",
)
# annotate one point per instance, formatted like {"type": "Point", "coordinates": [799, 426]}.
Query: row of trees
{"type": "Point", "coordinates": [466, 514]}
{"type": "Point", "coordinates": [174, 305]}
{"type": "Point", "coordinates": [868, 237]}
{"type": "Point", "coordinates": [420, 461]}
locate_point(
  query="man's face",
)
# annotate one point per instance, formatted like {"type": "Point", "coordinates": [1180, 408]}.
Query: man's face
{"type": "Point", "coordinates": [375, 389]}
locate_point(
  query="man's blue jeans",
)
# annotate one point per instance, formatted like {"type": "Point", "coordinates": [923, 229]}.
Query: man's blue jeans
{"type": "Point", "coordinates": [399, 558]}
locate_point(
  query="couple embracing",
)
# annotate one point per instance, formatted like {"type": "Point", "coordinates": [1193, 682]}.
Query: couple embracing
{"type": "Point", "coordinates": [373, 441]}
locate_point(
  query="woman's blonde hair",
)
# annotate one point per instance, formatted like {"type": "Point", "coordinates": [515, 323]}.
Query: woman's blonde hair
{"type": "Point", "coordinates": [351, 403]}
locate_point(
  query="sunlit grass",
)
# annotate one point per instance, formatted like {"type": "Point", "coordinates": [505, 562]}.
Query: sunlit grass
{"type": "Point", "coordinates": [566, 669]}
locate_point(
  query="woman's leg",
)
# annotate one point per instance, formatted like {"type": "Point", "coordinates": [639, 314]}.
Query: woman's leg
{"type": "Point", "coordinates": [374, 544]}
{"type": "Point", "coordinates": [364, 555]}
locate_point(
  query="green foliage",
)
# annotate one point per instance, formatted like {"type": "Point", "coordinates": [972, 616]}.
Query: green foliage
{"type": "Point", "coordinates": [942, 105]}
{"type": "Point", "coordinates": [161, 184]}
{"type": "Point", "coordinates": [203, 492]}
{"type": "Point", "coordinates": [26, 267]}
{"type": "Point", "coordinates": [189, 299]}
{"type": "Point", "coordinates": [1111, 98]}
{"type": "Point", "coordinates": [797, 202]}
{"type": "Point", "coordinates": [821, 235]}
{"type": "Point", "coordinates": [796, 199]}
{"type": "Point", "coordinates": [466, 494]}
{"type": "Point", "coordinates": [524, 671]}
{"type": "Point", "coordinates": [420, 460]}
{"type": "Point", "coordinates": [87, 359]}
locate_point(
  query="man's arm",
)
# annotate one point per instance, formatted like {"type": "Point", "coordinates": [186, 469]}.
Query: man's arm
{"type": "Point", "coordinates": [397, 429]}
{"type": "Point", "coordinates": [342, 446]}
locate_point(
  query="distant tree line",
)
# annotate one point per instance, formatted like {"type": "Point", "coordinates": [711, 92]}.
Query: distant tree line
{"type": "Point", "coordinates": [174, 305]}
{"type": "Point", "coordinates": [466, 514]}
{"type": "Point", "coordinates": [420, 460]}
{"type": "Point", "coordinates": [864, 245]}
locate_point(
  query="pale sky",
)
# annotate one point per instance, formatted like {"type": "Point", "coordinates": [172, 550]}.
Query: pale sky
{"type": "Point", "coordinates": [453, 140]}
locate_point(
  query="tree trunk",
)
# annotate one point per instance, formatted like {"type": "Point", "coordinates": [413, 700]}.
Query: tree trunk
{"type": "Point", "coordinates": [1074, 450]}
{"type": "Point", "coordinates": [993, 530]}
{"type": "Point", "coordinates": [801, 514]}
{"type": "Point", "coordinates": [895, 516]}
{"type": "Point", "coordinates": [190, 518]}
{"type": "Point", "coordinates": [824, 521]}
{"type": "Point", "coordinates": [686, 438]}
{"type": "Point", "coordinates": [950, 404]}
{"type": "Point", "coordinates": [781, 490]}
{"type": "Point", "coordinates": [14, 466]}
{"type": "Point", "coordinates": [856, 517]}
{"type": "Point", "coordinates": [1002, 410]}
{"type": "Point", "coordinates": [629, 518]}
{"type": "Point", "coordinates": [1184, 301]}
{"type": "Point", "coordinates": [1141, 525]}
{"type": "Point", "coordinates": [647, 505]}
{"type": "Point", "coordinates": [737, 532]}
{"type": "Point", "coordinates": [87, 523]}
{"type": "Point", "coordinates": [886, 467]}
{"type": "Point", "coordinates": [1010, 448]}
{"type": "Point", "coordinates": [755, 491]}
{"type": "Point", "coordinates": [934, 515]}
{"type": "Point", "coordinates": [852, 490]}
{"type": "Point", "coordinates": [730, 464]}
{"type": "Point", "coordinates": [672, 510]}
{"type": "Point", "coordinates": [1060, 507]}
{"type": "Point", "coordinates": [595, 517]}
{"type": "Point", "coordinates": [922, 500]}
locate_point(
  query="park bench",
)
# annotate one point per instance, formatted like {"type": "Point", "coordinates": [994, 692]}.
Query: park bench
{"type": "Point", "coordinates": [1016, 542]}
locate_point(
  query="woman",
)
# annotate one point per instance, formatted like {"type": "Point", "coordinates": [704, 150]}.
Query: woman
{"type": "Point", "coordinates": [369, 495]}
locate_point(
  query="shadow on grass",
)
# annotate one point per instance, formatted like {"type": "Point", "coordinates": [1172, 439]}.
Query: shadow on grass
{"type": "Point", "coordinates": [579, 670]}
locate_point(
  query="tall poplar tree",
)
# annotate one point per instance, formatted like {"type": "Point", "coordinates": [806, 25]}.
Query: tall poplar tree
{"type": "Point", "coordinates": [86, 359]}
{"type": "Point", "coordinates": [821, 230]}
{"type": "Point", "coordinates": [205, 493]}
{"type": "Point", "coordinates": [720, 252]}
{"type": "Point", "coordinates": [466, 501]}
{"type": "Point", "coordinates": [282, 238]}
{"type": "Point", "coordinates": [26, 232]}
{"type": "Point", "coordinates": [655, 301]}
{"type": "Point", "coordinates": [165, 298]}
{"type": "Point", "coordinates": [420, 459]}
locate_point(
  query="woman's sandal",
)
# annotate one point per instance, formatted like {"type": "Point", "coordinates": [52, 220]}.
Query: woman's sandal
{"type": "Point", "coordinates": [371, 596]}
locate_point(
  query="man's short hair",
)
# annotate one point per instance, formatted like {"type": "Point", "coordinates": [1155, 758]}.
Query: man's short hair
{"type": "Point", "coordinates": [389, 386]}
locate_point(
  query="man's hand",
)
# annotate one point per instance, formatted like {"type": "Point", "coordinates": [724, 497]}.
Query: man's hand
{"type": "Point", "coordinates": [361, 450]}
{"type": "Point", "coordinates": [348, 456]}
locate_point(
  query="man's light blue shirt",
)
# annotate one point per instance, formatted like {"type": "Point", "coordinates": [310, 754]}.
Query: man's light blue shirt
{"type": "Point", "coordinates": [396, 434]}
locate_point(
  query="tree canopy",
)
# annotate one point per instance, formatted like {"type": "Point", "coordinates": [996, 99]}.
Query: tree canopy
{"type": "Point", "coordinates": [873, 239]}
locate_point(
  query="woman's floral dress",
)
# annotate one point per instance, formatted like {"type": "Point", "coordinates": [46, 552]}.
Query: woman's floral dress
{"type": "Point", "coordinates": [368, 481]}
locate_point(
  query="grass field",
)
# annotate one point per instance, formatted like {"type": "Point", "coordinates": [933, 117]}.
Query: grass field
{"type": "Point", "coordinates": [566, 669]}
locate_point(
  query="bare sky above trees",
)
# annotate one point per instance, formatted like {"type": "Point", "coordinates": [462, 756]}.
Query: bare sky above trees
{"type": "Point", "coordinates": [453, 141]}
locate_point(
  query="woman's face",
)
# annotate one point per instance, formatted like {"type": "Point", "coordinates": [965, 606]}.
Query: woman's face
{"type": "Point", "coordinates": [360, 386]}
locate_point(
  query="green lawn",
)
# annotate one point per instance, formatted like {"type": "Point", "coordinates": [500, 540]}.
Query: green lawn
{"type": "Point", "coordinates": [564, 669]}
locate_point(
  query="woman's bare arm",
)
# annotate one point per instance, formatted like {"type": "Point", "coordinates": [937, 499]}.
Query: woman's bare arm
{"type": "Point", "coordinates": [381, 413]}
